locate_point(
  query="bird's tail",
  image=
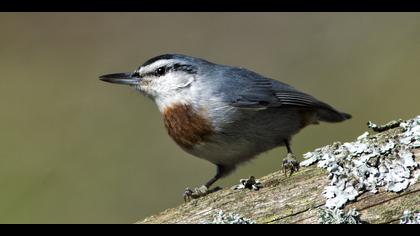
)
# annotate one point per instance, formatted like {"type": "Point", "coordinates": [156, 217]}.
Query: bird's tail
{"type": "Point", "coordinates": [332, 115]}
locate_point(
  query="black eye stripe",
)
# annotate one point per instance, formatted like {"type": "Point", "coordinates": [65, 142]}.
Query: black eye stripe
{"type": "Point", "coordinates": [136, 74]}
{"type": "Point", "coordinates": [185, 68]}
{"type": "Point", "coordinates": [175, 67]}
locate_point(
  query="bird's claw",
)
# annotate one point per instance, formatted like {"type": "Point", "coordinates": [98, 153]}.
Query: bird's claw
{"type": "Point", "coordinates": [290, 163]}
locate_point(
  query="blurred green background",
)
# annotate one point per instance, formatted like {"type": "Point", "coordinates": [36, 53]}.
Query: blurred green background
{"type": "Point", "coordinates": [76, 150]}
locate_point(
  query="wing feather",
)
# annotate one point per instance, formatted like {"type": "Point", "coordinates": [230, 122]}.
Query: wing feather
{"type": "Point", "coordinates": [260, 92]}
{"type": "Point", "coordinates": [249, 90]}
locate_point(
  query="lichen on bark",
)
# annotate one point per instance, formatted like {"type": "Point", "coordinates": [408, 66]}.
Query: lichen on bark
{"type": "Point", "coordinates": [378, 196]}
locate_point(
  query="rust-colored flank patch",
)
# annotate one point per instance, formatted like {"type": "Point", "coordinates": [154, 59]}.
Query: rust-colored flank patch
{"type": "Point", "coordinates": [186, 126]}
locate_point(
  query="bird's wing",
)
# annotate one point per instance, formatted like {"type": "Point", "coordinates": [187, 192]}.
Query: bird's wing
{"type": "Point", "coordinates": [255, 91]}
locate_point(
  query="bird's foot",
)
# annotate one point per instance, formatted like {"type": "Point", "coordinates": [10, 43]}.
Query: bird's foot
{"type": "Point", "coordinates": [250, 183]}
{"type": "Point", "coordinates": [202, 191]}
{"type": "Point", "coordinates": [290, 163]}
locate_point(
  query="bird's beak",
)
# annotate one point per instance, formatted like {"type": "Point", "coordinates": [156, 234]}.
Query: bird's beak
{"type": "Point", "coordinates": [120, 78]}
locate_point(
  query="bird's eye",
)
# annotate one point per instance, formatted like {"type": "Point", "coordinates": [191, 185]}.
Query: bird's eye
{"type": "Point", "coordinates": [160, 71]}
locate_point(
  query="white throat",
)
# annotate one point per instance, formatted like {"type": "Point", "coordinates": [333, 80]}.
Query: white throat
{"type": "Point", "coordinates": [174, 88]}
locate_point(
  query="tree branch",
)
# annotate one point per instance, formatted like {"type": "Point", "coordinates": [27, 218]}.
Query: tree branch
{"type": "Point", "coordinates": [301, 197]}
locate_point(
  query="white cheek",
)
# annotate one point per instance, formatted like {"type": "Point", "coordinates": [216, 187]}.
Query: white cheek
{"type": "Point", "coordinates": [146, 88]}
{"type": "Point", "coordinates": [172, 89]}
{"type": "Point", "coordinates": [185, 82]}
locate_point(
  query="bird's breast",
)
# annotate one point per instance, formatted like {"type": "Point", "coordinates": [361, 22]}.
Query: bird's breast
{"type": "Point", "coordinates": [187, 126]}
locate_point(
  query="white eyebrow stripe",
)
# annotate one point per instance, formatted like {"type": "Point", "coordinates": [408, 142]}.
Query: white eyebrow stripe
{"type": "Point", "coordinates": [155, 65]}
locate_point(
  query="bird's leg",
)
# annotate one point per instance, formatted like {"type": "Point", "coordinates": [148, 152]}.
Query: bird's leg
{"type": "Point", "coordinates": [290, 161]}
{"type": "Point", "coordinates": [205, 189]}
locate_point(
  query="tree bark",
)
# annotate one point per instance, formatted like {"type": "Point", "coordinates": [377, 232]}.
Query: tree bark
{"type": "Point", "coordinates": [295, 199]}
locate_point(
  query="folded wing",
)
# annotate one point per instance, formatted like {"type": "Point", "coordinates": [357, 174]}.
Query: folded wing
{"type": "Point", "coordinates": [253, 91]}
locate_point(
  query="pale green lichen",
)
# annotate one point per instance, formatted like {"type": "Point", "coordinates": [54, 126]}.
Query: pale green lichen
{"type": "Point", "coordinates": [337, 216]}
{"type": "Point", "coordinates": [250, 183]}
{"type": "Point", "coordinates": [382, 128]}
{"type": "Point", "coordinates": [368, 163]}
{"type": "Point", "coordinates": [410, 217]}
{"type": "Point", "coordinates": [230, 218]}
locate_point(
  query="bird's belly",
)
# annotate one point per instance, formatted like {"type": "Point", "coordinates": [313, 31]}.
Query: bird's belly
{"type": "Point", "coordinates": [245, 138]}
{"type": "Point", "coordinates": [224, 152]}
{"type": "Point", "coordinates": [235, 149]}
{"type": "Point", "coordinates": [230, 138]}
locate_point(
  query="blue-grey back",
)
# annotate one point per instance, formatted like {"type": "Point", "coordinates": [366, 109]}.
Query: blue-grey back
{"type": "Point", "coordinates": [243, 88]}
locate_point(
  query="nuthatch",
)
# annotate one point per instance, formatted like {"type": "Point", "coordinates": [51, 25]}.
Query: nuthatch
{"type": "Point", "coordinates": [223, 114]}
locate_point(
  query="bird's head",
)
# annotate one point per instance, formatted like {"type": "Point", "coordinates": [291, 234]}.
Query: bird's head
{"type": "Point", "coordinates": [166, 78]}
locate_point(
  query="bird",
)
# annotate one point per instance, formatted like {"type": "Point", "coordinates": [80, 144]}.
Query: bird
{"type": "Point", "coordinates": [225, 114]}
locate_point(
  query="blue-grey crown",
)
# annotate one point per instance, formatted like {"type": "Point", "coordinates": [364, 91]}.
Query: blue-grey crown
{"type": "Point", "coordinates": [174, 56]}
{"type": "Point", "coordinates": [187, 64]}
